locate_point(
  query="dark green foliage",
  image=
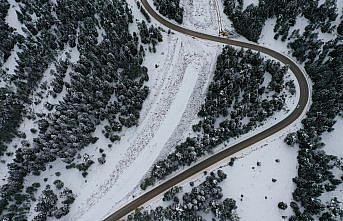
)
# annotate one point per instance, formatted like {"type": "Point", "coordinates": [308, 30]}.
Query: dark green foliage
{"type": "Point", "coordinates": [48, 203]}
{"type": "Point", "coordinates": [144, 13]}
{"type": "Point", "coordinates": [170, 194]}
{"type": "Point", "coordinates": [249, 22]}
{"type": "Point", "coordinates": [232, 96]}
{"type": "Point", "coordinates": [205, 197]}
{"type": "Point", "coordinates": [149, 35]}
{"type": "Point", "coordinates": [282, 205]}
{"type": "Point", "coordinates": [108, 65]}
{"type": "Point", "coordinates": [10, 115]}
{"type": "Point", "coordinates": [59, 184]}
{"type": "Point", "coordinates": [340, 28]}
{"type": "Point", "coordinates": [170, 8]}
{"type": "Point", "coordinates": [323, 63]}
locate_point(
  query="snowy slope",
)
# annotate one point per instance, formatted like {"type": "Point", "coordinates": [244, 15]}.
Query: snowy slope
{"type": "Point", "coordinates": [194, 22]}
{"type": "Point", "coordinates": [177, 85]}
{"type": "Point", "coordinates": [179, 74]}
{"type": "Point", "coordinates": [256, 183]}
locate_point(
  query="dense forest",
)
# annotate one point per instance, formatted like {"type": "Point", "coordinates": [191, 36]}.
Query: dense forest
{"type": "Point", "coordinates": [237, 101]}
{"type": "Point", "coordinates": [205, 198]}
{"type": "Point", "coordinates": [323, 62]}
{"type": "Point", "coordinates": [78, 63]}
{"type": "Point", "coordinates": [170, 8]}
{"type": "Point", "coordinates": [249, 22]}
{"type": "Point", "coordinates": [79, 96]}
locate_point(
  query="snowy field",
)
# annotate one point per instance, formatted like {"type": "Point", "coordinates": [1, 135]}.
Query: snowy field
{"type": "Point", "coordinates": [186, 64]}
{"type": "Point", "coordinates": [178, 86]}
{"type": "Point", "coordinates": [190, 69]}
{"type": "Point", "coordinates": [255, 182]}
{"type": "Point", "coordinates": [201, 16]}
{"type": "Point", "coordinates": [179, 73]}
{"type": "Point", "coordinates": [251, 185]}
{"type": "Point", "coordinates": [287, 156]}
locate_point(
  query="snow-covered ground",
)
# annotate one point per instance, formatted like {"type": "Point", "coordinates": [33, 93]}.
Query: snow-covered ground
{"type": "Point", "coordinates": [189, 67]}
{"type": "Point", "coordinates": [333, 146]}
{"type": "Point", "coordinates": [251, 185]}
{"type": "Point", "coordinates": [12, 18]}
{"type": "Point", "coordinates": [200, 15]}
{"type": "Point", "coordinates": [12, 21]}
{"type": "Point", "coordinates": [267, 35]}
{"type": "Point", "coordinates": [204, 16]}
{"type": "Point", "coordinates": [246, 3]}
{"type": "Point", "coordinates": [179, 74]}
{"type": "Point", "coordinates": [178, 86]}
{"type": "Point", "coordinates": [255, 182]}
{"type": "Point", "coordinates": [177, 128]}
{"type": "Point", "coordinates": [245, 177]}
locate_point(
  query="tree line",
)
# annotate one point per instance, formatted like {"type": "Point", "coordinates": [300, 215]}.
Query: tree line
{"type": "Point", "coordinates": [108, 66]}
{"type": "Point", "coordinates": [237, 101]}
{"type": "Point", "coordinates": [323, 63]}
{"type": "Point", "coordinates": [205, 198]}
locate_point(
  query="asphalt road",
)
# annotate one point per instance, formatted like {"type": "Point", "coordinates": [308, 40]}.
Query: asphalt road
{"type": "Point", "coordinates": [304, 98]}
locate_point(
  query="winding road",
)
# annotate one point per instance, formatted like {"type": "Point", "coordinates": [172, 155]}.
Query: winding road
{"type": "Point", "coordinates": [301, 106]}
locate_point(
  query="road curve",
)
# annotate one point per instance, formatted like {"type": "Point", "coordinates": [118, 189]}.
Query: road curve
{"type": "Point", "coordinates": [304, 98]}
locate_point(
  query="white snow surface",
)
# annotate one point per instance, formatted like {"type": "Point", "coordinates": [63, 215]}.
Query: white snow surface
{"type": "Point", "coordinates": [255, 182]}
{"type": "Point", "coordinates": [123, 194]}
{"type": "Point", "coordinates": [178, 85]}
{"type": "Point", "coordinates": [260, 194]}
{"type": "Point", "coordinates": [201, 16]}
{"type": "Point", "coordinates": [177, 88]}
{"type": "Point", "coordinates": [185, 65]}
{"type": "Point", "coordinates": [12, 18]}
{"type": "Point", "coordinates": [246, 3]}
{"type": "Point", "coordinates": [267, 35]}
